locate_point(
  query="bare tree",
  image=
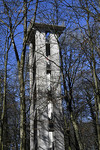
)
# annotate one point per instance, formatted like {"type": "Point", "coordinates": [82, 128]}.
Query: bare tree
{"type": "Point", "coordinates": [11, 25]}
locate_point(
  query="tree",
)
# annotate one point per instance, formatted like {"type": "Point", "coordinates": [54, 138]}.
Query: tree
{"type": "Point", "coordinates": [79, 54]}
{"type": "Point", "coordinates": [86, 23]}
{"type": "Point", "coordinates": [3, 127]}
{"type": "Point", "coordinates": [12, 24]}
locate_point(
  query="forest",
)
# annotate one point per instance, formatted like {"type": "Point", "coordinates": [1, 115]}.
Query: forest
{"type": "Point", "coordinates": [79, 49]}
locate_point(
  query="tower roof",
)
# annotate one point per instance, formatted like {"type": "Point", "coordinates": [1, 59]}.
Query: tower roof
{"type": "Point", "coordinates": [45, 27]}
{"type": "Point", "coordinates": [49, 27]}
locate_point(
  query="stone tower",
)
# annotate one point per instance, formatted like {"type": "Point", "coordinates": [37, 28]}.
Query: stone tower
{"type": "Point", "coordinates": [45, 89]}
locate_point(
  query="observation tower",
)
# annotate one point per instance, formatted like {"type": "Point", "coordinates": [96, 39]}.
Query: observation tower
{"type": "Point", "coordinates": [46, 132]}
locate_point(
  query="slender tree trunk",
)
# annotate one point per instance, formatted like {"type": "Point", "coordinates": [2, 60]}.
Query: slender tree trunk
{"type": "Point", "coordinates": [22, 112]}
{"type": "Point", "coordinates": [76, 130]}
{"type": "Point", "coordinates": [93, 118]}
{"type": "Point", "coordinates": [75, 126]}
{"type": "Point", "coordinates": [20, 64]}
{"type": "Point", "coordinates": [97, 105]}
{"type": "Point", "coordinates": [3, 127]}
{"type": "Point", "coordinates": [76, 143]}
{"type": "Point", "coordinates": [67, 135]}
{"type": "Point", "coordinates": [22, 85]}
{"type": "Point", "coordinates": [95, 78]}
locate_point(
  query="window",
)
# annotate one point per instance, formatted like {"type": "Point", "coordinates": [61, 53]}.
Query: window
{"type": "Point", "coordinates": [47, 43]}
{"type": "Point", "coordinates": [51, 123]}
{"type": "Point", "coordinates": [53, 145]}
{"type": "Point", "coordinates": [47, 37]}
{"type": "Point", "coordinates": [52, 148]}
{"type": "Point", "coordinates": [48, 68]}
{"type": "Point", "coordinates": [47, 49]}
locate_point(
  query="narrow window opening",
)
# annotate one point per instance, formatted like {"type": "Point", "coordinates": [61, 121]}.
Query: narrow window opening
{"type": "Point", "coordinates": [48, 68]}
{"type": "Point", "coordinates": [47, 37]}
{"type": "Point", "coordinates": [53, 145]}
{"type": "Point", "coordinates": [51, 148]}
{"type": "Point", "coordinates": [47, 43]}
{"type": "Point", "coordinates": [47, 49]}
{"type": "Point", "coordinates": [51, 123]}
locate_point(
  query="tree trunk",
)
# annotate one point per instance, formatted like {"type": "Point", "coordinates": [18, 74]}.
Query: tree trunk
{"type": "Point", "coordinates": [97, 105]}
{"type": "Point", "coordinates": [76, 130]}
{"type": "Point", "coordinates": [22, 112]}
{"type": "Point", "coordinates": [95, 78]}
{"type": "Point", "coordinates": [22, 85]}
{"type": "Point", "coordinates": [3, 127]}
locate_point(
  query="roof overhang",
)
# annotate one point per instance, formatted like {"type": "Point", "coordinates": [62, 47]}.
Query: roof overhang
{"type": "Point", "coordinates": [46, 27]}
